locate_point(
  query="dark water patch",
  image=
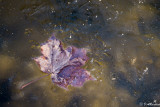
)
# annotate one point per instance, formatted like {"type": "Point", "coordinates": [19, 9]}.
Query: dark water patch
{"type": "Point", "coordinates": [156, 4]}
{"type": "Point", "coordinates": [155, 26]}
{"type": "Point", "coordinates": [121, 81]}
{"type": "Point", "coordinates": [149, 92]}
{"type": "Point", "coordinates": [6, 34]}
{"type": "Point", "coordinates": [144, 93]}
{"type": "Point", "coordinates": [75, 102]}
{"type": "Point", "coordinates": [81, 15]}
{"type": "Point", "coordinates": [141, 26]}
{"type": "Point", "coordinates": [5, 92]}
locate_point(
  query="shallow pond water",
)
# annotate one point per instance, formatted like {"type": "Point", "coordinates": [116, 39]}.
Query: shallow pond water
{"type": "Point", "coordinates": [123, 39]}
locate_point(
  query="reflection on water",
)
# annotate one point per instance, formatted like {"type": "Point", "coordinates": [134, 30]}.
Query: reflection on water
{"type": "Point", "coordinates": [123, 42]}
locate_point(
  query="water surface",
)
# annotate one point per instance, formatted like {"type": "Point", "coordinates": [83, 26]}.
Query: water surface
{"type": "Point", "coordinates": [122, 37]}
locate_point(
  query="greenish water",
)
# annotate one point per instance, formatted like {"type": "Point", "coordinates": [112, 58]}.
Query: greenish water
{"type": "Point", "coordinates": [123, 39]}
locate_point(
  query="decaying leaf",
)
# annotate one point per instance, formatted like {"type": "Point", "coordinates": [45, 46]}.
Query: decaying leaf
{"type": "Point", "coordinates": [64, 65]}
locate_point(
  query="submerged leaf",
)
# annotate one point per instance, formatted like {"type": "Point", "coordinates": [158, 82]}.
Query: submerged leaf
{"type": "Point", "coordinates": [63, 65]}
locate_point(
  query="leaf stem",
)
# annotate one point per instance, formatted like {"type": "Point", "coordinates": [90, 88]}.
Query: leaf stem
{"type": "Point", "coordinates": [23, 86]}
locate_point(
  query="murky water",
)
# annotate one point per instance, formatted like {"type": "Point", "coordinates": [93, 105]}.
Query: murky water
{"type": "Point", "coordinates": [123, 38]}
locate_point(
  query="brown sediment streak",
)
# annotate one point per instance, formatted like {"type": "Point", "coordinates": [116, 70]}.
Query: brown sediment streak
{"type": "Point", "coordinates": [23, 86]}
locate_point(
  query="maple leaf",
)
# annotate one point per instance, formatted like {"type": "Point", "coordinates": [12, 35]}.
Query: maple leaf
{"type": "Point", "coordinates": [63, 65]}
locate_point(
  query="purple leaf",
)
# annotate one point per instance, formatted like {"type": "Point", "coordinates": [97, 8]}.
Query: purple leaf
{"type": "Point", "coordinates": [63, 65]}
